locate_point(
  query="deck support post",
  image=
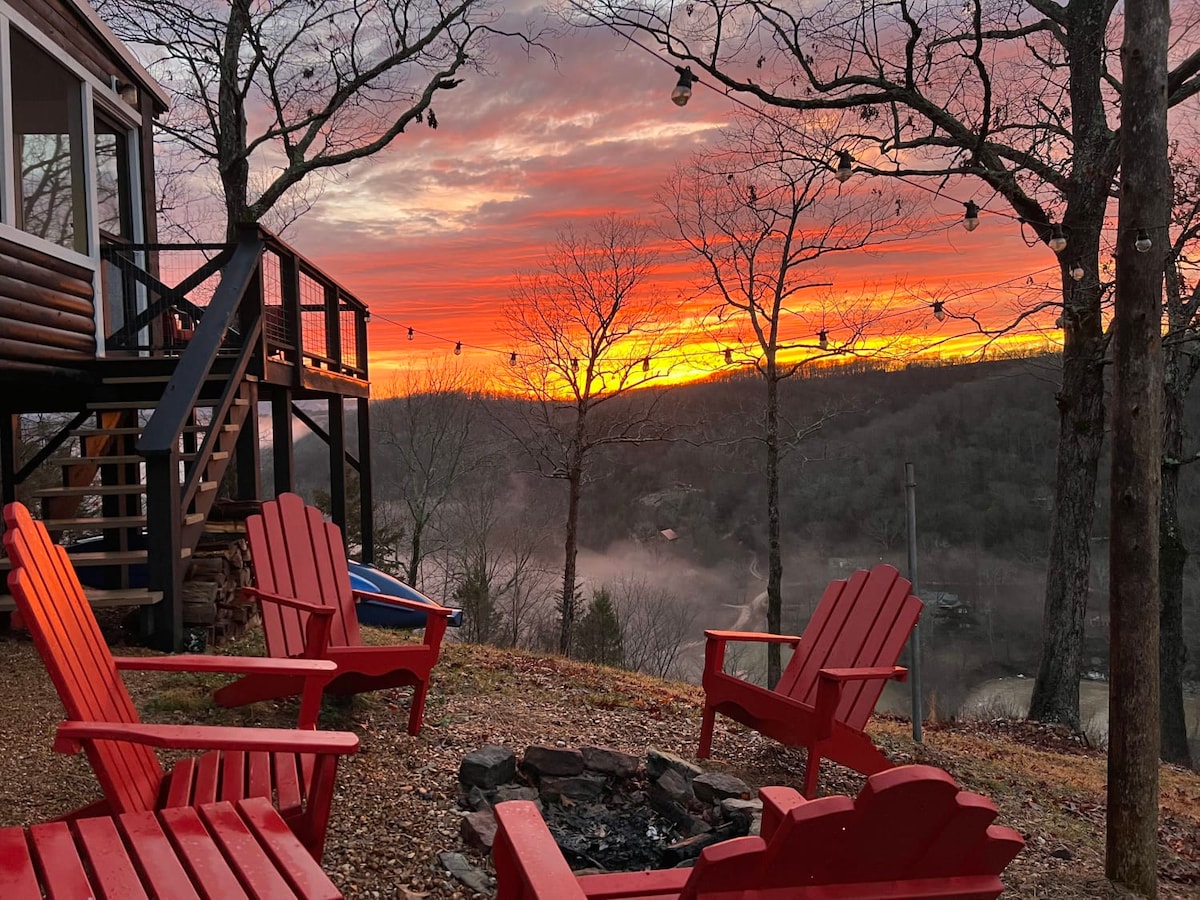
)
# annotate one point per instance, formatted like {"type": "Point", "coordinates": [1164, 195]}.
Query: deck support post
{"type": "Point", "coordinates": [366, 504]}
{"type": "Point", "coordinates": [246, 456]}
{"type": "Point", "coordinates": [164, 514]}
{"type": "Point", "coordinates": [283, 457]}
{"type": "Point", "coordinates": [10, 431]}
{"type": "Point", "coordinates": [337, 462]}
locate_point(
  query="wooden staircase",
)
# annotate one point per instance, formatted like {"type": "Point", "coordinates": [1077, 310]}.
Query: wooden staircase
{"type": "Point", "coordinates": [102, 495]}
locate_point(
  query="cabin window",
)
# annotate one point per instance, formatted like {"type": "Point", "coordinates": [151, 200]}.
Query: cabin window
{"type": "Point", "coordinates": [47, 117]}
{"type": "Point", "coordinates": [113, 207]}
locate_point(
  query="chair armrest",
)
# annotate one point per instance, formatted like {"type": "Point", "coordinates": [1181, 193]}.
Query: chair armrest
{"type": "Point", "coordinates": [317, 609]}
{"type": "Point", "coordinates": [759, 636]}
{"type": "Point", "coordinates": [714, 647]}
{"type": "Point", "coordinates": [416, 605]}
{"type": "Point", "coordinates": [237, 665]}
{"type": "Point", "coordinates": [205, 737]}
{"type": "Point", "coordinates": [528, 863]}
{"type": "Point", "coordinates": [867, 674]}
{"type": "Point", "coordinates": [777, 802]}
{"type": "Point", "coordinates": [316, 631]}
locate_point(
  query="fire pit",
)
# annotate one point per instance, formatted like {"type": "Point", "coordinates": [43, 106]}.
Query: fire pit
{"type": "Point", "coordinates": [608, 810]}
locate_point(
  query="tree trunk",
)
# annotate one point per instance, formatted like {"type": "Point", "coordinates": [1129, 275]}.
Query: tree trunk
{"type": "Point", "coordinates": [1080, 435]}
{"type": "Point", "coordinates": [774, 554]}
{"type": "Point", "coordinates": [1172, 552]}
{"type": "Point", "coordinates": [1081, 396]}
{"type": "Point", "coordinates": [1133, 732]}
{"type": "Point", "coordinates": [414, 560]}
{"type": "Point", "coordinates": [232, 164]}
{"type": "Point", "coordinates": [570, 552]}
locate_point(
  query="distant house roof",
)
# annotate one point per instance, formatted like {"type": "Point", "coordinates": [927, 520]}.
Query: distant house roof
{"type": "Point", "coordinates": [100, 30]}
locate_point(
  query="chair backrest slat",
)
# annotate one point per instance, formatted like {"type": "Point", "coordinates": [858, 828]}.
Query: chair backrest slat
{"type": "Point", "coordinates": [64, 628]}
{"type": "Point", "coordinates": [861, 622]}
{"type": "Point", "coordinates": [296, 553]}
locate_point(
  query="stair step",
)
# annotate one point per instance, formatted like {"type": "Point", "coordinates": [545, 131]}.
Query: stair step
{"type": "Point", "coordinates": [106, 490]}
{"type": "Point", "coordinates": [121, 459]}
{"type": "Point", "coordinates": [100, 598]}
{"type": "Point", "coordinates": [104, 558]}
{"type": "Point", "coordinates": [131, 430]}
{"type": "Point", "coordinates": [109, 523]}
{"type": "Point", "coordinates": [161, 378]}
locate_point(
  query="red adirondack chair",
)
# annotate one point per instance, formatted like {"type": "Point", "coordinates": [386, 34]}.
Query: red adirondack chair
{"type": "Point", "coordinates": [910, 833]}
{"type": "Point", "coordinates": [829, 688]}
{"type": "Point", "coordinates": [295, 768]}
{"type": "Point", "coordinates": [308, 610]}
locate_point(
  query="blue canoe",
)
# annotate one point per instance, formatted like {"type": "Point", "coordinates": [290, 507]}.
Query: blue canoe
{"type": "Point", "coordinates": [365, 577]}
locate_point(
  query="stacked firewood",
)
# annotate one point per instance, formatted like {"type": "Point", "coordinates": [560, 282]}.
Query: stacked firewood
{"type": "Point", "coordinates": [212, 588]}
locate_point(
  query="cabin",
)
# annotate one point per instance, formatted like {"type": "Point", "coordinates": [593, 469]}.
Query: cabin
{"type": "Point", "coordinates": [135, 376]}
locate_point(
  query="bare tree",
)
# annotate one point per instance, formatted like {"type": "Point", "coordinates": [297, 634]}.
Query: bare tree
{"type": "Point", "coordinates": [1014, 98]}
{"type": "Point", "coordinates": [655, 626]}
{"type": "Point", "coordinates": [589, 326]}
{"type": "Point", "coordinates": [277, 94]}
{"type": "Point", "coordinates": [426, 431]}
{"type": "Point", "coordinates": [1145, 208]}
{"type": "Point", "coordinates": [1181, 363]}
{"type": "Point", "coordinates": [759, 217]}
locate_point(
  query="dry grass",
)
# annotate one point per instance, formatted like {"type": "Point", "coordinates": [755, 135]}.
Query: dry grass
{"type": "Point", "coordinates": [396, 800]}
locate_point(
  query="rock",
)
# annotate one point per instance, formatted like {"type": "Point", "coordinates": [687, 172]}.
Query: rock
{"type": "Point", "coordinates": [674, 787]}
{"type": "Point", "coordinates": [610, 762]}
{"type": "Point", "coordinates": [576, 787]}
{"type": "Point", "coordinates": [658, 762]}
{"type": "Point", "coordinates": [488, 767]}
{"type": "Point", "coordinates": [715, 786]}
{"type": "Point", "coordinates": [745, 813]}
{"type": "Point", "coordinates": [456, 864]}
{"type": "Point", "coordinates": [515, 792]}
{"type": "Point", "coordinates": [545, 760]}
{"type": "Point", "coordinates": [477, 800]}
{"type": "Point", "coordinates": [478, 830]}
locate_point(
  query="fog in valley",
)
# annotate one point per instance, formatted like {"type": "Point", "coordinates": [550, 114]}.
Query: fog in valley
{"type": "Point", "coordinates": [673, 533]}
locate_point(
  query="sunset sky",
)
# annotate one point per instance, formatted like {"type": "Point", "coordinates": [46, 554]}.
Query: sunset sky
{"type": "Point", "coordinates": [431, 232]}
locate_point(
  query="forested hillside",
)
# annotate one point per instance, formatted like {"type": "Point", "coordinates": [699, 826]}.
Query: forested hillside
{"type": "Point", "coordinates": [982, 439]}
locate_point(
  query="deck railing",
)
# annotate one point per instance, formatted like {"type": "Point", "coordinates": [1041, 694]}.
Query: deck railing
{"type": "Point", "coordinates": [163, 290]}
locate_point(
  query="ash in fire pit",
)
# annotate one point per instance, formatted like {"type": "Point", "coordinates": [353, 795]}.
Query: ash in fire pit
{"type": "Point", "coordinates": [609, 810]}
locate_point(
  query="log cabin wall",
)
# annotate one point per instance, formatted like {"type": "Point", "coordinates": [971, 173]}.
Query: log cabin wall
{"type": "Point", "coordinates": [46, 309]}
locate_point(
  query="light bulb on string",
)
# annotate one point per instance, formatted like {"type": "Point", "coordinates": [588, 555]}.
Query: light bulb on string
{"type": "Point", "coordinates": [823, 339]}
{"type": "Point", "coordinates": [683, 88]}
{"type": "Point", "coordinates": [512, 358]}
{"type": "Point", "coordinates": [646, 364]}
{"type": "Point", "coordinates": [1143, 242]}
{"type": "Point", "coordinates": [728, 356]}
{"type": "Point", "coordinates": [458, 348]}
{"type": "Point", "coordinates": [1058, 240]}
{"type": "Point", "coordinates": [971, 215]}
{"type": "Point", "coordinates": [939, 310]}
{"type": "Point", "coordinates": [411, 333]}
{"type": "Point", "coordinates": [574, 364]}
{"type": "Point", "coordinates": [845, 166]}
{"type": "Point", "coordinates": [1077, 272]}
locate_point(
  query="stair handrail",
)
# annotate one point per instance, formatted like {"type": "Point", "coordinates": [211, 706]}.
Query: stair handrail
{"type": "Point", "coordinates": [159, 443]}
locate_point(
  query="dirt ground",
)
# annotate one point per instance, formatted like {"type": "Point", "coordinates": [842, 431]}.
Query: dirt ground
{"type": "Point", "coordinates": [395, 806]}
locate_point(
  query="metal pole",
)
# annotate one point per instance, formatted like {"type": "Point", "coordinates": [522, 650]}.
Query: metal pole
{"type": "Point", "coordinates": [914, 666]}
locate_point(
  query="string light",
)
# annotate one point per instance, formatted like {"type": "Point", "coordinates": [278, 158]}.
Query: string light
{"type": "Point", "coordinates": [683, 88]}
{"type": "Point", "coordinates": [1058, 240]}
{"type": "Point", "coordinates": [939, 310]}
{"type": "Point", "coordinates": [1143, 242]}
{"type": "Point", "coordinates": [411, 332]}
{"type": "Point", "coordinates": [1077, 272]}
{"type": "Point", "coordinates": [971, 216]}
{"type": "Point", "coordinates": [845, 166]}
{"type": "Point", "coordinates": [728, 356]}
{"type": "Point", "coordinates": [512, 358]}
{"type": "Point", "coordinates": [823, 339]}
{"type": "Point", "coordinates": [574, 364]}
{"type": "Point", "coordinates": [646, 364]}
{"type": "Point", "coordinates": [458, 348]}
